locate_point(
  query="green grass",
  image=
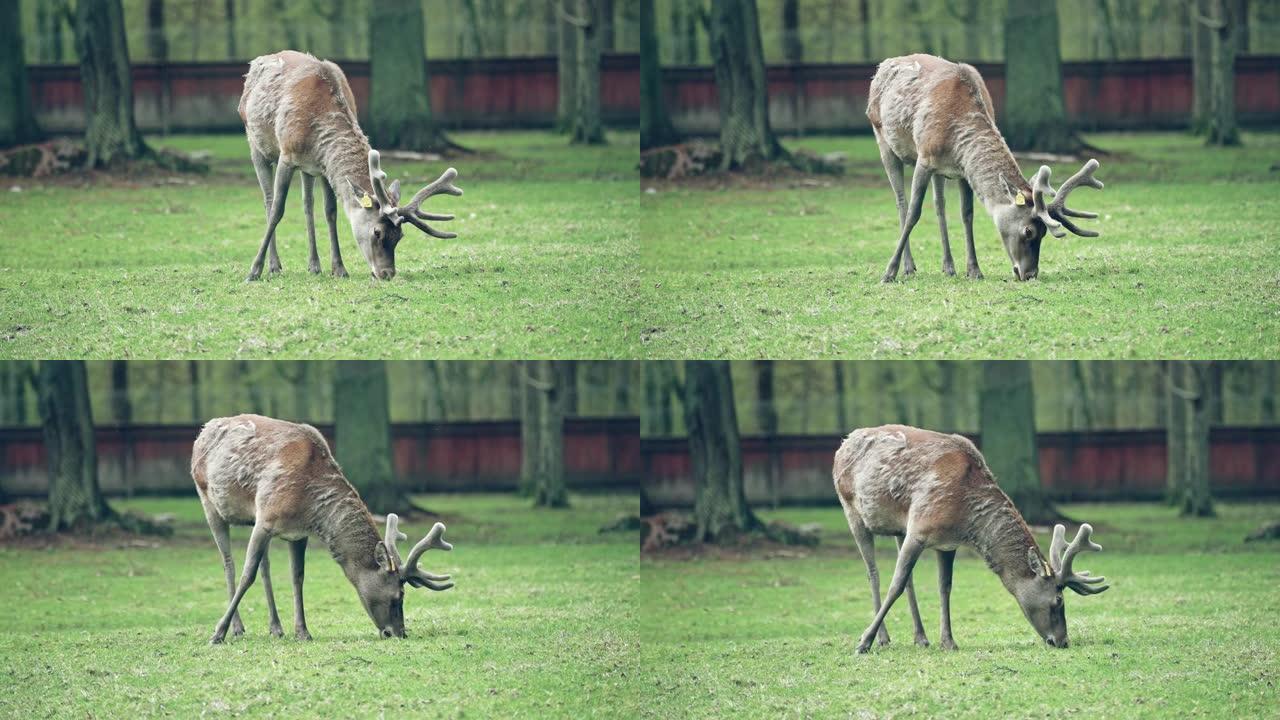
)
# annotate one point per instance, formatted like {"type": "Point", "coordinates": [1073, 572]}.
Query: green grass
{"type": "Point", "coordinates": [542, 622]}
{"type": "Point", "coordinates": [1187, 629]}
{"type": "Point", "coordinates": [1188, 264]}
{"type": "Point", "coordinates": [155, 267]}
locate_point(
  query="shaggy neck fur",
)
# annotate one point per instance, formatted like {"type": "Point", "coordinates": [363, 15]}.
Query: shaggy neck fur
{"type": "Point", "coordinates": [341, 520]}
{"type": "Point", "coordinates": [999, 533]}
{"type": "Point", "coordinates": [343, 152]}
{"type": "Point", "coordinates": [988, 165]}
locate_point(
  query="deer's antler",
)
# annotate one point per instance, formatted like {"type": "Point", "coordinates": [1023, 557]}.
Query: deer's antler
{"type": "Point", "coordinates": [1058, 210]}
{"type": "Point", "coordinates": [389, 539]}
{"type": "Point", "coordinates": [411, 214]}
{"type": "Point", "coordinates": [410, 572]}
{"type": "Point", "coordinates": [1062, 555]}
{"type": "Point", "coordinates": [1039, 190]}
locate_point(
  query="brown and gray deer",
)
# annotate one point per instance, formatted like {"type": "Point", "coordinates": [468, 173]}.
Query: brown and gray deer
{"type": "Point", "coordinates": [300, 115]}
{"type": "Point", "coordinates": [281, 478]}
{"type": "Point", "coordinates": [932, 490]}
{"type": "Point", "coordinates": [939, 116]}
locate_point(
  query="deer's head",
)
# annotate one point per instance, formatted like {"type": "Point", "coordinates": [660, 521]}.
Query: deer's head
{"type": "Point", "coordinates": [1023, 222]}
{"type": "Point", "coordinates": [378, 222]}
{"type": "Point", "coordinates": [382, 591]}
{"type": "Point", "coordinates": [1040, 595]}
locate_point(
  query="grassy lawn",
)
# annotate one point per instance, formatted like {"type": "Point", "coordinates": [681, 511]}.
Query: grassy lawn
{"type": "Point", "coordinates": [1188, 264]}
{"type": "Point", "coordinates": [154, 268]}
{"type": "Point", "coordinates": [542, 622]}
{"type": "Point", "coordinates": [1187, 629]}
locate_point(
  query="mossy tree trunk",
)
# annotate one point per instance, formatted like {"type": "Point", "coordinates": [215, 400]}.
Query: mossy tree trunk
{"type": "Point", "coordinates": [746, 138]}
{"type": "Point", "coordinates": [529, 443]}
{"type": "Point", "coordinates": [655, 123]}
{"type": "Point", "coordinates": [586, 128]}
{"type": "Point", "coordinates": [362, 424]}
{"type": "Point", "coordinates": [75, 499]}
{"type": "Point", "coordinates": [1035, 116]}
{"type": "Point", "coordinates": [1223, 25]}
{"type": "Point", "coordinates": [1201, 85]}
{"type": "Point", "coordinates": [715, 452]}
{"type": "Point", "coordinates": [111, 136]}
{"type": "Point", "coordinates": [1008, 426]}
{"type": "Point", "coordinates": [399, 90]}
{"type": "Point", "coordinates": [566, 70]}
{"type": "Point", "coordinates": [548, 379]}
{"type": "Point", "coordinates": [1191, 403]}
{"type": "Point", "coordinates": [17, 117]}
{"type": "Point", "coordinates": [767, 419]}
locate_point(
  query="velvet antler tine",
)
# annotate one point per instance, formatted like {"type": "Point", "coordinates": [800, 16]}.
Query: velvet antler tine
{"type": "Point", "coordinates": [1082, 583]}
{"type": "Point", "coordinates": [1039, 189]}
{"type": "Point", "coordinates": [414, 221]}
{"type": "Point", "coordinates": [412, 215]}
{"type": "Point", "coordinates": [378, 178]}
{"type": "Point", "coordinates": [392, 535]}
{"type": "Point", "coordinates": [1058, 545]}
{"type": "Point", "coordinates": [420, 578]}
{"type": "Point", "coordinates": [433, 216]}
{"type": "Point", "coordinates": [1058, 208]}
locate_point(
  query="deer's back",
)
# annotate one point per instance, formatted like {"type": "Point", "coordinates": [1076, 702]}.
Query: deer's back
{"type": "Point", "coordinates": [250, 464]}
{"type": "Point", "coordinates": [285, 95]}
{"type": "Point", "coordinates": [893, 475]}
{"type": "Point", "coordinates": [920, 106]}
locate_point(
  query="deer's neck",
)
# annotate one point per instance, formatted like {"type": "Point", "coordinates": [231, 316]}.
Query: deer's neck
{"type": "Point", "coordinates": [342, 151]}
{"type": "Point", "coordinates": [341, 520]}
{"type": "Point", "coordinates": [989, 166]}
{"type": "Point", "coordinates": [998, 532]}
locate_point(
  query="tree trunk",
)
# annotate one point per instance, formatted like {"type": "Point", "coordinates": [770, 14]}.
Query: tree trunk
{"type": "Point", "coordinates": [1107, 37]}
{"type": "Point", "coordinates": [1223, 43]}
{"type": "Point", "coordinates": [13, 393]}
{"type": "Point", "coordinates": [399, 89]}
{"type": "Point", "coordinates": [715, 452]}
{"type": "Point", "coordinates": [864, 12]}
{"type": "Point", "coordinates": [586, 128]}
{"type": "Point", "coordinates": [229, 14]}
{"type": "Point", "coordinates": [842, 407]}
{"type": "Point", "coordinates": [362, 424]}
{"type": "Point", "coordinates": [1191, 399]}
{"type": "Point", "coordinates": [75, 499]}
{"type": "Point", "coordinates": [1009, 436]}
{"type": "Point", "coordinates": [122, 414]}
{"type": "Point", "coordinates": [17, 117]}
{"type": "Point", "coordinates": [659, 384]}
{"type": "Point", "coordinates": [529, 442]}
{"type": "Point", "coordinates": [193, 380]}
{"type": "Point", "coordinates": [792, 46]}
{"type": "Point", "coordinates": [548, 478]}
{"type": "Point", "coordinates": [435, 409]}
{"type": "Point", "coordinates": [767, 419]}
{"type": "Point", "coordinates": [566, 72]}
{"type": "Point", "coordinates": [655, 124]}
{"type": "Point", "coordinates": [1035, 116]}
{"type": "Point", "coordinates": [746, 139]}
{"type": "Point", "coordinates": [110, 133]}
{"type": "Point", "coordinates": [1201, 73]}
{"type": "Point", "coordinates": [607, 40]}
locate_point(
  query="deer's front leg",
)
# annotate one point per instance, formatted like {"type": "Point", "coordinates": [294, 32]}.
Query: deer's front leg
{"type": "Point", "coordinates": [298, 556]}
{"type": "Point", "coordinates": [308, 208]}
{"type": "Point", "coordinates": [946, 559]}
{"type": "Point", "coordinates": [940, 205]}
{"type": "Point", "coordinates": [284, 174]}
{"type": "Point", "coordinates": [919, 185]}
{"type": "Point", "coordinates": [257, 548]}
{"type": "Point", "coordinates": [966, 214]}
{"type": "Point", "coordinates": [907, 556]}
{"type": "Point", "coordinates": [331, 219]}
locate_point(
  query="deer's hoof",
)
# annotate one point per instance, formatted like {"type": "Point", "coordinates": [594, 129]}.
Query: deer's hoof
{"type": "Point", "coordinates": [949, 644]}
{"type": "Point", "coordinates": [864, 648]}
{"type": "Point", "coordinates": [340, 272]}
{"type": "Point", "coordinates": [949, 270]}
{"type": "Point", "coordinates": [217, 638]}
{"type": "Point", "coordinates": [883, 640]}
{"type": "Point", "coordinates": [314, 267]}
{"type": "Point", "coordinates": [302, 634]}
{"type": "Point", "coordinates": [974, 273]}
{"type": "Point", "coordinates": [922, 641]}
{"type": "Point", "coordinates": [276, 631]}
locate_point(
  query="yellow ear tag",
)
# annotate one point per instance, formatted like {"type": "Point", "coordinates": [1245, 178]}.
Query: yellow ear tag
{"type": "Point", "coordinates": [1020, 200]}
{"type": "Point", "coordinates": [366, 202]}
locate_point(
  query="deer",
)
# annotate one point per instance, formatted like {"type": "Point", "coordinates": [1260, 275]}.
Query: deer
{"type": "Point", "coordinates": [280, 478]}
{"type": "Point", "coordinates": [300, 115]}
{"type": "Point", "coordinates": [932, 490]}
{"type": "Point", "coordinates": [939, 116]}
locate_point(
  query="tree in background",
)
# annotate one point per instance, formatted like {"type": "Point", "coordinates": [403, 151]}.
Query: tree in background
{"type": "Point", "coordinates": [51, 15]}
{"type": "Point", "coordinates": [75, 499]}
{"type": "Point", "coordinates": [399, 89]}
{"type": "Point", "coordinates": [660, 385]}
{"type": "Point", "coordinates": [584, 121]}
{"type": "Point", "coordinates": [1035, 116]}
{"type": "Point", "coordinates": [792, 46]}
{"type": "Point", "coordinates": [1008, 424]}
{"type": "Point", "coordinates": [1191, 402]}
{"type": "Point", "coordinates": [546, 481]}
{"type": "Point", "coordinates": [110, 134]}
{"type": "Point", "coordinates": [1223, 20]}
{"type": "Point", "coordinates": [767, 420]}
{"type": "Point", "coordinates": [720, 505]}
{"type": "Point", "coordinates": [655, 123]}
{"type": "Point", "coordinates": [746, 138]}
{"type": "Point", "coordinates": [17, 117]}
{"type": "Point", "coordinates": [566, 69]}
{"type": "Point", "coordinates": [229, 15]}
{"type": "Point", "coordinates": [362, 424]}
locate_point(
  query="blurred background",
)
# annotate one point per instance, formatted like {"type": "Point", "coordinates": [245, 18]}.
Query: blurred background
{"type": "Point", "coordinates": [539, 428]}
{"type": "Point", "coordinates": [1050, 430]}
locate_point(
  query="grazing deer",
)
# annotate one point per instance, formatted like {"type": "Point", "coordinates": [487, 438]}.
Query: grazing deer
{"type": "Point", "coordinates": [281, 478]}
{"type": "Point", "coordinates": [931, 490]}
{"type": "Point", "coordinates": [939, 116]}
{"type": "Point", "coordinates": [299, 114]}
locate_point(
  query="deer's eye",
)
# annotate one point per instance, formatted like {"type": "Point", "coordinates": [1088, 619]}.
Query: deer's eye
{"type": "Point", "coordinates": [377, 232]}
{"type": "Point", "coordinates": [1029, 232]}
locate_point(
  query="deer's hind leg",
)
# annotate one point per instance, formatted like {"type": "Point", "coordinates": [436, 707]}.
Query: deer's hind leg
{"type": "Point", "coordinates": [308, 208]}
{"type": "Point", "coordinates": [867, 547]}
{"type": "Point", "coordinates": [940, 204]}
{"type": "Point", "coordinates": [966, 215]}
{"type": "Point", "coordinates": [275, 202]}
{"type": "Point", "coordinates": [258, 542]}
{"type": "Point", "coordinates": [273, 617]}
{"type": "Point", "coordinates": [222, 538]}
{"type": "Point", "coordinates": [921, 639]}
{"type": "Point", "coordinates": [893, 168]}
{"type": "Point", "coordinates": [919, 185]}
{"type": "Point", "coordinates": [910, 551]}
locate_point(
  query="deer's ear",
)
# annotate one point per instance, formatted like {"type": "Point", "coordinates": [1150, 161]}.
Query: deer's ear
{"type": "Point", "coordinates": [1035, 562]}
{"type": "Point", "coordinates": [383, 558]}
{"type": "Point", "coordinates": [361, 195]}
{"type": "Point", "coordinates": [394, 192]}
